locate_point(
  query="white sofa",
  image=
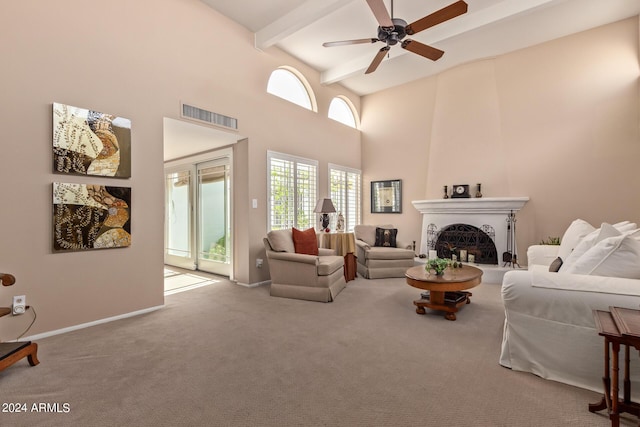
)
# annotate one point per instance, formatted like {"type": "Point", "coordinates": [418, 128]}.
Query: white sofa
{"type": "Point", "coordinates": [549, 328]}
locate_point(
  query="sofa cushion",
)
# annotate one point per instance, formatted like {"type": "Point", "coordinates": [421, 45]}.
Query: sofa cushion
{"type": "Point", "coordinates": [572, 236]}
{"type": "Point", "coordinates": [589, 241]}
{"type": "Point", "coordinates": [329, 264]}
{"type": "Point", "coordinates": [305, 242]}
{"type": "Point", "coordinates": [386, 237]}
{"type": "Point", "coordinates": [617, 256]}
{"type": "Point", "coordinates": [281, 241]}
{"type": "Point", "coordinates": [366, 233]}
{"type": "Point", "coordinates": [381, 252]}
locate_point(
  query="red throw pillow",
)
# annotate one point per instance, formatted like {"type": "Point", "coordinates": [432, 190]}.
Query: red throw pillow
{"type": "Point", "coordinates": [305, 241]}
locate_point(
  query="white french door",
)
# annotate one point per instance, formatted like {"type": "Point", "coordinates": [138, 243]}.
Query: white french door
{"type": "Point", "coordinates": [198, 216]}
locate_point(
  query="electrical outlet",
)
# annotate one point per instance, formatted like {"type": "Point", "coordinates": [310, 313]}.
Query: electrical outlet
{"type": "Point", "coordinates": [259, 262]}
{"type": "Point", "coordinates": [19, 304]}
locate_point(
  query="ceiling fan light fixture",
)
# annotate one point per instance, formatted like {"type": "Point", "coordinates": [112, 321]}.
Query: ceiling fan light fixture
{"type": "Point", "coordinates": [395, 33]}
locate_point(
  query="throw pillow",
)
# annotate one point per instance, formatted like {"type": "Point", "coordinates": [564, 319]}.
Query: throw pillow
{"type": "Point", "coordinates": [281, 241]}
{"type": "Point", "coordinates": [386, 237]}
{"type": "Point", "coordinates": [555, 265]}
{"type": "Point", "coordinates": [575, 232]}
{"type": "Point", "coordinates": [305, 242]}
{"type": "Point", "coordinates": [589, 241]}
{"type": "Point", "coordinates": [625, 226]}
{"type": "Point", "coordinates": [617, 256]}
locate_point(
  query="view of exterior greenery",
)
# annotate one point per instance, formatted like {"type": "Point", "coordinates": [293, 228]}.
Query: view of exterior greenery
{"type": "Point", "coordinates": [214, 233]}
{"type": "Point", "coordinates": [218, 251]}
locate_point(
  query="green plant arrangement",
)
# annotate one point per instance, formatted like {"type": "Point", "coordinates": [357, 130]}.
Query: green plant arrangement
{"type": "Point", "coordinates": [439, 265]}
{"type": "Point", "coordinates": [551, 241]}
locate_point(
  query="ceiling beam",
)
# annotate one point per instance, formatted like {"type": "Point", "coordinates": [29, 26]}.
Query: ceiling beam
{"type": "Point", "coordinates": [463, 24]}
{"type": "Point", "coordinates": [305, 14]}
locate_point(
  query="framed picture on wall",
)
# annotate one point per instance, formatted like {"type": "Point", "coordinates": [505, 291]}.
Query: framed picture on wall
{"type": "Point", "coordinates": [87, 216]}
{"type": "Point", "coordinates": [386, 196]}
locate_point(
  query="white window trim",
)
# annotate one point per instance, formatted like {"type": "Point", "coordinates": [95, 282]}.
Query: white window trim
{"type": "Point", "coordinates": [354, 111]}
{"type": "Point", "coordinates": [291, 158]}
{"type": "Point", "coordinates": [305, 83]}
{"type": "Point", "coordinates": [348, 170]}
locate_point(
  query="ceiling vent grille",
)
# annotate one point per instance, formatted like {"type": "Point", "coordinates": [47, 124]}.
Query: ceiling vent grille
{"type": "Point", "coordinates": [195, 113]}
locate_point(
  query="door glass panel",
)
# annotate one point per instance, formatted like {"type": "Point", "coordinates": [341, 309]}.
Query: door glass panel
{"type": "Point", "coordinates": [178, 219]}
{"type": "Point", "coordinates": [214, 252]}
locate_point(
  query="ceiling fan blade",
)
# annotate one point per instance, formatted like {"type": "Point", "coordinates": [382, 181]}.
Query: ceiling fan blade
{"type": "Point", "coordinates": [380, 12]}
{"type": "Point", "coordinates": [422, 49]}
{"type": "Point", "coordinates": [456, 9]}
{"type": "Point", "coordinates": [348, 42]}
{"type": "Point", "coordinates": [377, 60]}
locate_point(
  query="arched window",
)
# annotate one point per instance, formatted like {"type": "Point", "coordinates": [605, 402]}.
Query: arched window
{"type": "Point", "coordinates": [287, 83]}
{"type": "Point", "coordinates": [343, 111]}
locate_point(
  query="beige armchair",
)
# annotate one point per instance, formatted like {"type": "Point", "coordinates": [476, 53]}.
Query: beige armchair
{"type": "Point", "coordinates": [300, 276]}
{"type": "Point", "coordinates": [386, 260]}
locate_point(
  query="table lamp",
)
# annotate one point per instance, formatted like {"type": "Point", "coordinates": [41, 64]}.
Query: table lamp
{"type": "Point", "coordinates": [324, 207]}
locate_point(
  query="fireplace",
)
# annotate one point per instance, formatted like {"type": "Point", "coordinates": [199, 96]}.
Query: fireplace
{"type": "Point", "coordinates": [474, 241]}
{"type": "Point", "coordinates": [478, 225]}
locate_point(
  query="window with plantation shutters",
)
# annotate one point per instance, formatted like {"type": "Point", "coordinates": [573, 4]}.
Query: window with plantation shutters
{"type": "Point", "coordinates": [292, 184]}
{"type": "Point", "coordinates": [345, 187]}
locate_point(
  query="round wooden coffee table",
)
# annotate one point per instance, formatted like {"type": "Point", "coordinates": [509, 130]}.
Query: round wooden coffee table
{"type": "Point", "coordinates": [447, 292]}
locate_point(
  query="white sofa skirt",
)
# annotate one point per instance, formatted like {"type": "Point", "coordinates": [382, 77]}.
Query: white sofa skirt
{"type": "Point", "coordinates": [551, 332]}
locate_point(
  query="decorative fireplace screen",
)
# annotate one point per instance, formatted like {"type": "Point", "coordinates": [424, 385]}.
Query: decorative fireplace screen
{"type": "Point", "coordinates": [476, 241]}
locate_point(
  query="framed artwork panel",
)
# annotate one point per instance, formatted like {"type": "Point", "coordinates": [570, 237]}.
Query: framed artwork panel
{"type": "Point", "coordinates": [386, 196]}
{"type": "Point", "coordinates": [87, 142]}
{"type": "Point", "coordinates": [89, 217]}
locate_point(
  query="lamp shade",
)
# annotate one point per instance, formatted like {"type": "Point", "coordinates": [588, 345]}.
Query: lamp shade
{"type": "Point", "coordinates": [325, 206]}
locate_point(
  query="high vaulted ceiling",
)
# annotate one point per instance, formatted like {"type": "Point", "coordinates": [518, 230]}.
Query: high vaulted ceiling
{"type": "Point", "coordinates": [488, 29]}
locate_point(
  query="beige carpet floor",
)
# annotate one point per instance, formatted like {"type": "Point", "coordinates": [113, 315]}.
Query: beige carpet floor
{"type": "Point", "coordinates": [179, 280]}
{"type": "Point", "coordinates": [225, 355]}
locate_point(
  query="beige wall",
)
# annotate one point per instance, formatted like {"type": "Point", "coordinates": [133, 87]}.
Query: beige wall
{"type": "Point", "coordinates": [558, 122]}
{"type": "Point", "coordinates": [562, 119]}
{"type": "Point", "coordinates": [139, 62]}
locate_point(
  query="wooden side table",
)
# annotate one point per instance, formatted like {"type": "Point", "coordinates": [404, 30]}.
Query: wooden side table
{"type": "Point", "coordinates": [11, 352]}
{"type": "Point", "coordinates": [620, 326]}
{"type": "Point", "coordinates": [345, 245]}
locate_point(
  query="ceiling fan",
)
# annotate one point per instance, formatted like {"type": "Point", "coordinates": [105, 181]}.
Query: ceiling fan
{"type": "Point", "coordinates": [394, 30]}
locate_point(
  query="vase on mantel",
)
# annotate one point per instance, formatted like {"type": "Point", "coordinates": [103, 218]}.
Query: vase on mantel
{"type": "Point", "coordinates": [479, 191]}
{"type": "Point", "coordinates": [446, 192]}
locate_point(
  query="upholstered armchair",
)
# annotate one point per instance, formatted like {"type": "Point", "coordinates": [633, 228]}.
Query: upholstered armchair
{"type": "Point", "coordinates": [379, 254]}
{"type": "Point", "coordinates": [299, 275]}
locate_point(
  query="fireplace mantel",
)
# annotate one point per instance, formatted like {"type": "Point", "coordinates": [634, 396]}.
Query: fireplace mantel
{"type": "Point", "coordinates": [484, 205]}
{"type": "Point", "coordinates": [491, 212]}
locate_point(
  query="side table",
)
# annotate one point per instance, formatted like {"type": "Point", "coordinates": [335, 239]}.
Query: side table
{"type": "Point", "coordinates": [620, 326]}
{"type": "Point", "coordinates": [11, 352]}
{"type": "Point", "coordinates": [345, 245]}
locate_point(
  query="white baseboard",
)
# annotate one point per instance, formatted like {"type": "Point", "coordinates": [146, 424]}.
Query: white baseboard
{"type": "Point", "coordinates": [89, 324]}
{"type": "Point", "coordinates": [254, 285]}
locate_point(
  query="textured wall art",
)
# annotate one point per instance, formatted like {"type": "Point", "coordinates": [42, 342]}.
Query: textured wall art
{"type": "Point", "coordinates": [90, 217]}
{"type": "Point", "coordinates": [87, 142]}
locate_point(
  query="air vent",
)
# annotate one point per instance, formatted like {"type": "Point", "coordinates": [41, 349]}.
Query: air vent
{"type": "Point", "coordinates": [209, 117]}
